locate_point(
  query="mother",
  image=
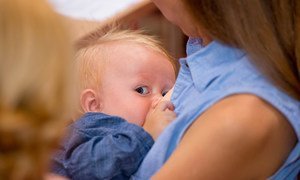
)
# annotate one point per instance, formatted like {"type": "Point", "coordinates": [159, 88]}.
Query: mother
{"type": "Point", "coordinates": [237, 94]}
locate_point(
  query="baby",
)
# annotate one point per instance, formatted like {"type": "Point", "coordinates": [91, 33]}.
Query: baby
{"type": "Point", "coordinates": [123, 76]}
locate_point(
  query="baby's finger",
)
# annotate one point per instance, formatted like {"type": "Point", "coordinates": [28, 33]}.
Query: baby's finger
{"type": "Point", "coordinates": [163, 105]}
{"type": "Point", "coordinates": [170, 114]}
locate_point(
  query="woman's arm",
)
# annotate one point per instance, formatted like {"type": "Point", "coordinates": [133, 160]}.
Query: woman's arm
{"type": "Point", "coordinates": [241, 137]}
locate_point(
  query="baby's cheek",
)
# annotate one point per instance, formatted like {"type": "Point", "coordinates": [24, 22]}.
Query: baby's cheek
{"type": "Point", "coordinates": [137, 117]}
{"type": "Point", "coordinates": [139, 113]}
{"type": "Point", "coordinates": [143, 116]}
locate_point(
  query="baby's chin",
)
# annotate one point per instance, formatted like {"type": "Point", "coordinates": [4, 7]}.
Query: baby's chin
{"type": "Point", "coordinates": [137, 122]}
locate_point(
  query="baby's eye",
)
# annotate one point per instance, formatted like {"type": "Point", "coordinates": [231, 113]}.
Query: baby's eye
{"type": "Point", "coordinates": [142, 90]}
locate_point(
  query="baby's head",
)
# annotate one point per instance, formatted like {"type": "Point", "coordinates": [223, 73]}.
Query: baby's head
{"type": "Point", "coordinates": [123, 73]}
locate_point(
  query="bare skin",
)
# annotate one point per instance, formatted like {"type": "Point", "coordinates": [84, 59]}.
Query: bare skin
{"type": "Point", "coordinates": [247, 134]}
{"type": "Point", "coordinates": [240, 137]}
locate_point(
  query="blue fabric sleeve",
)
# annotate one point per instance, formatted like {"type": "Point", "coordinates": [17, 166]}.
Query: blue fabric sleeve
{"type": "Point", "coordinates": [109, 148]}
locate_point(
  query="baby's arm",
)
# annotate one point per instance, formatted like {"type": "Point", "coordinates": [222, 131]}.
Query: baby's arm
{"type": "Point", "coordinates": [160, 116]}
{"type": "Point", "coordinates": [104, 149]}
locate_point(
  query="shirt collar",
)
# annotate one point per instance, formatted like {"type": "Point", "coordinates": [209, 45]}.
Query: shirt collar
{"type": "Point", "coordinates": [208, 62]}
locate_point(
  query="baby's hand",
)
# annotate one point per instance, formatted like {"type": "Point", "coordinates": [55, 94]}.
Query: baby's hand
{"type": "Point", "coordinates": [159, 117]}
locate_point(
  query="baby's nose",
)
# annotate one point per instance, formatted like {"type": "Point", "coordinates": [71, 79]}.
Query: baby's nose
{"type": "Point", "coordinates": [156, 100]}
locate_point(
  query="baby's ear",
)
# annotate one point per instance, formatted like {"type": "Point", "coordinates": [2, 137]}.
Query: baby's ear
{"type": "Point", "coordinates": [89, 101]}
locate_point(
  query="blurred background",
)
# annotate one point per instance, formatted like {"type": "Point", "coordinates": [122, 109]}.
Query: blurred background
{"type": "Point", "coordinates": [86, 16]}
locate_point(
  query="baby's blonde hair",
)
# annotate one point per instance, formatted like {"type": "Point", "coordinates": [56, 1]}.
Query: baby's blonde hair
{"type": "Point", "coordinates": [89, 47]}
{"type": "Point", "coordinates": [35, 86]}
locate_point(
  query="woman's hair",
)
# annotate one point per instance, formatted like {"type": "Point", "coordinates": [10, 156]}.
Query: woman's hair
{"type": "Point", "coordinates": [268, 30]}
{"type": "Point", "coordinates": [90, 46]}
{"type": "Point", "coordinates": [35, 86]}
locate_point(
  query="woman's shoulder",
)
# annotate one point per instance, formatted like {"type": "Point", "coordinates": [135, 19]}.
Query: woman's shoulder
{"type": "Point", "coordinates": [243, 127]}
{"type": "Point", "coordinates": [248, 113]}
{"type": "Point", "coordinates": [244, 113]}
